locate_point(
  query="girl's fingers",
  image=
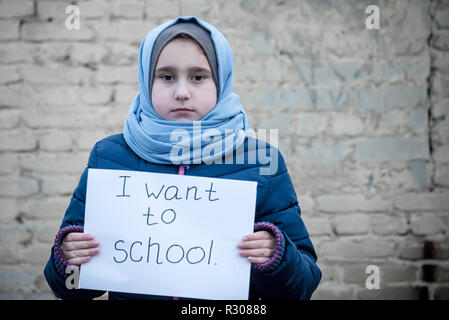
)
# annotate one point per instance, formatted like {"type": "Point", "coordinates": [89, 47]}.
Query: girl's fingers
{"type": "Point", "coordinates": [257, 253]}
{"type": "Point", "coordinates": [257, 259]}
{"type": "Point", "coordinates": [79, 261]}
{"type": "Point", "coordinates": [77, 245]}
{"type": "Point", "coordinates": [257, 244]}
{"type": "Point", "coordinates": [259, 235]}
{"type": "Point", "coordinates": [81, 253]}
{"type": "Point", "coordinates": [78, 236]}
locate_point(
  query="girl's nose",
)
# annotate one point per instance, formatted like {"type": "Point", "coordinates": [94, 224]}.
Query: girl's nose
{"type": "Point", "coordinates": [182, 91]}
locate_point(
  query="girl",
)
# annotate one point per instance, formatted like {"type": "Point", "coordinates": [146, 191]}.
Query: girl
{"type": "Point", "coordinates": [185, 78]}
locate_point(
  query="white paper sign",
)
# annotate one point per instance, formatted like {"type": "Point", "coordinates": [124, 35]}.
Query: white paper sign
{"type": "Point", "coordinates": [165, 234]}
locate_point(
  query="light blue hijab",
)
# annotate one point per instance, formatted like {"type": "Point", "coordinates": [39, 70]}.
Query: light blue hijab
{"type": "Point", "coordinates": [160, 141]}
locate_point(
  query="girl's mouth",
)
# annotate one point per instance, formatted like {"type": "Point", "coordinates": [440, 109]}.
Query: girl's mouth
{"type": "Point", "coordinates": [182, 110]}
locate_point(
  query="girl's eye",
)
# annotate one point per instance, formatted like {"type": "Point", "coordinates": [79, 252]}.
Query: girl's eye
{"type": "Point", "coordinates": [198, 77]}
{"type": "Point", "coordinates": [167, 77]}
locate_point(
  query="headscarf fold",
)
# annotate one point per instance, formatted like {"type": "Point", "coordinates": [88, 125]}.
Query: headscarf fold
{"type": "Point", "coordinates": [218, 133]}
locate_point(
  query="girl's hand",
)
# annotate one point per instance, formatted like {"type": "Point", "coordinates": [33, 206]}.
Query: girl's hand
{"type": "Point", "coordinates": [258, 246]}
{"type": "Point", "coordinates": [79, 247]}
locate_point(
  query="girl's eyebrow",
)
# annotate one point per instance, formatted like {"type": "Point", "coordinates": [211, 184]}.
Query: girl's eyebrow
{"type": "Point", "coordinates": [174, 69]}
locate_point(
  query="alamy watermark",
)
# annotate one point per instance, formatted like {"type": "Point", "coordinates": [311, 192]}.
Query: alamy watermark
{"type": "Point", "coordinates": [187, 147]}
{"type": "Point", "coordinates": [373, 20]}
{"type": "Point", "coordinates": [72, 22]}
{"type": "Point", "coordinates": [373, 280]}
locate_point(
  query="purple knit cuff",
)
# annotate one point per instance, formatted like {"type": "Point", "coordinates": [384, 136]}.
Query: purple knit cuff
{"type": "Point", "coordinates": [278, 255]}
{"type": "Point", "coordinates": [61, 263]}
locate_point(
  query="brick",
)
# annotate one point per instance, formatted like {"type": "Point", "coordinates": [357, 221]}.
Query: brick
{"type": "Point", "coordinates": [256, 96]}
{"type": "Point", "coordinates": [275, 69]}
{"type": "Point", "coordinates": [61, 185]}
{"type": "Point", "coordinates": [9, 119]}
{"type": "Point", "coordinates": [281, 122]}
{"type": "Point", "coordinates": [127, 31]}
{"type": "Point", "coordinates": [329, 98]}
{"type": "Point", "coordinates": [54, 10]}
{"type": "Point", "coordinates": [384, 225]}
{"type": "Point", "coordinates": [55, 141]}
{"type": "Point", "coordinates": [198, 8]}
{"type": "Point", "coordinates": [440, 60]}
{"type": "Point", "coordinates": [318, 226]}
{"type": "Point", "coordinates": [9, 255]}
{"type": "Point", "coordinates": [124, 93]}
{"type": "Point", "coordinates": [9, 211]}
{"type": "Point", "coordinates": [400, 292]}
{"type": "Point", "coordinates": [112, 75]}
{"type": "Point", "coordinates": [324, 152]}
{"type": "Point", "coordinates": [87, 139]}
{"type": "Point", "coordinates": [45, 209]}
{"type": "Point", "coordinates": [440, 40]}
{"type": "Point", "coordinates": [392, 149]}
{"type": "Point", "coordinates": [56, 75]}
{"type": "Point", "coordinates": [441, 133]}
{"type": "Point", "coordinates": [421, 174]}
{"type": "Point", "coordinates": [14, 234]}
{"type": "Point", "coordinates": [69, 118]}
{"type": "Point", "coordinates": [46, 233]}
{"type": "Point", "coordinates": [402, 68]}
{"type": "Point", "coordinates": [121, 54]}
{"type": "Point", "coordinates": [333, 292]}
{"type": "Point", "coordinates": [161, 9]}
{"type": "Point", "coordinates": [73, 163]}
{"type": "Point", "coordinates": [296, 98]}
{"type": "Point", "coordinates": [55, 30]}
{"type": "Point", "coordinates": [98, 95]}
{"type": "Point", "coordinates": [129, 9]}
{"type": "Point", "coordinates": [398, 273]}
{"type": "Point", "coordinates": [47, 53]}
{"type": "Point", "coordinates": [441, 154]}
{"type": "Point", "coordinates": [36, 254]}
{"type": "Point", "coordinates": [18, 186]}
{"type": "Point", "coordinates": [355, 274]}
{"type": "Point", "coordinates": [323, 72]}
{"type": "Point", "coordinates": [422, 202]}
{"type": "Point", "coordinates": [330, 274]}
{"type": "Point", "coordinates": [351, 224]}
{"type": "Point", "coordinates": [15, 278]}
{"type": "Point", "coordinates": [87, 53]}
{"type": "Point", "coordinates": [441, 293]}
{"type": "Point", "coordinates": [247, 69]}
{"type": "Point", "coordinates": [344, 124]}
{"type": "Point", "coordinates": [390, 122]}
{"type": "Point", "coordinates": [16, 8]}
{"type": "Point", "coordinates": [27, 96]}
{"type": "Point", "coordinates": [343, 249]}
{"type": "Point", "coordinates": [351, 203]}
{"type": "Point", "coordinates": [418, 121]}
{"type": "Point", "coordinates": [442, 18]}
{"type": "Point", "coordinates": [94, 9]}
{"type": "Point", "coordinates": [9, 74]}
{"type": "Point", "coordinates": [17, 140]}
{"type": "Point", "coordinates": [310, 124]}
{"type": "Point", "coordinates": [427, 225]}
{"type": "Point", "coordinates": [441, 177]}
{"type": "Point", "coordinates": [441, 106]}
{"type": "Point", "coordinates": [306, 203]}
{"type": "Point", "coordinates": [10, 29]}
{"type": "Point", "coordinates": [16, 52]}
{"type": "Point", "coordinates": [391, 96]}
{"type": "Point", "coordinates": [10, 163]}
{"type": "Point", "coordinates": [440, 83]}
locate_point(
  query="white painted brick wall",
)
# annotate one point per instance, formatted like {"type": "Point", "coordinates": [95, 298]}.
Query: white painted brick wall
{"type": "Point", "coordinates": [362, 117]}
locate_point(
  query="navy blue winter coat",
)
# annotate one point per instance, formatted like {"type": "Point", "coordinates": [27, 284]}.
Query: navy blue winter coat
{"type": "Point", "coordinates": [296, 274]}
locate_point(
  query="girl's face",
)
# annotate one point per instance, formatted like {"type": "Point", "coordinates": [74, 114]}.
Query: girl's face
{"type": "Point", "coordinates": [183, 87]}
